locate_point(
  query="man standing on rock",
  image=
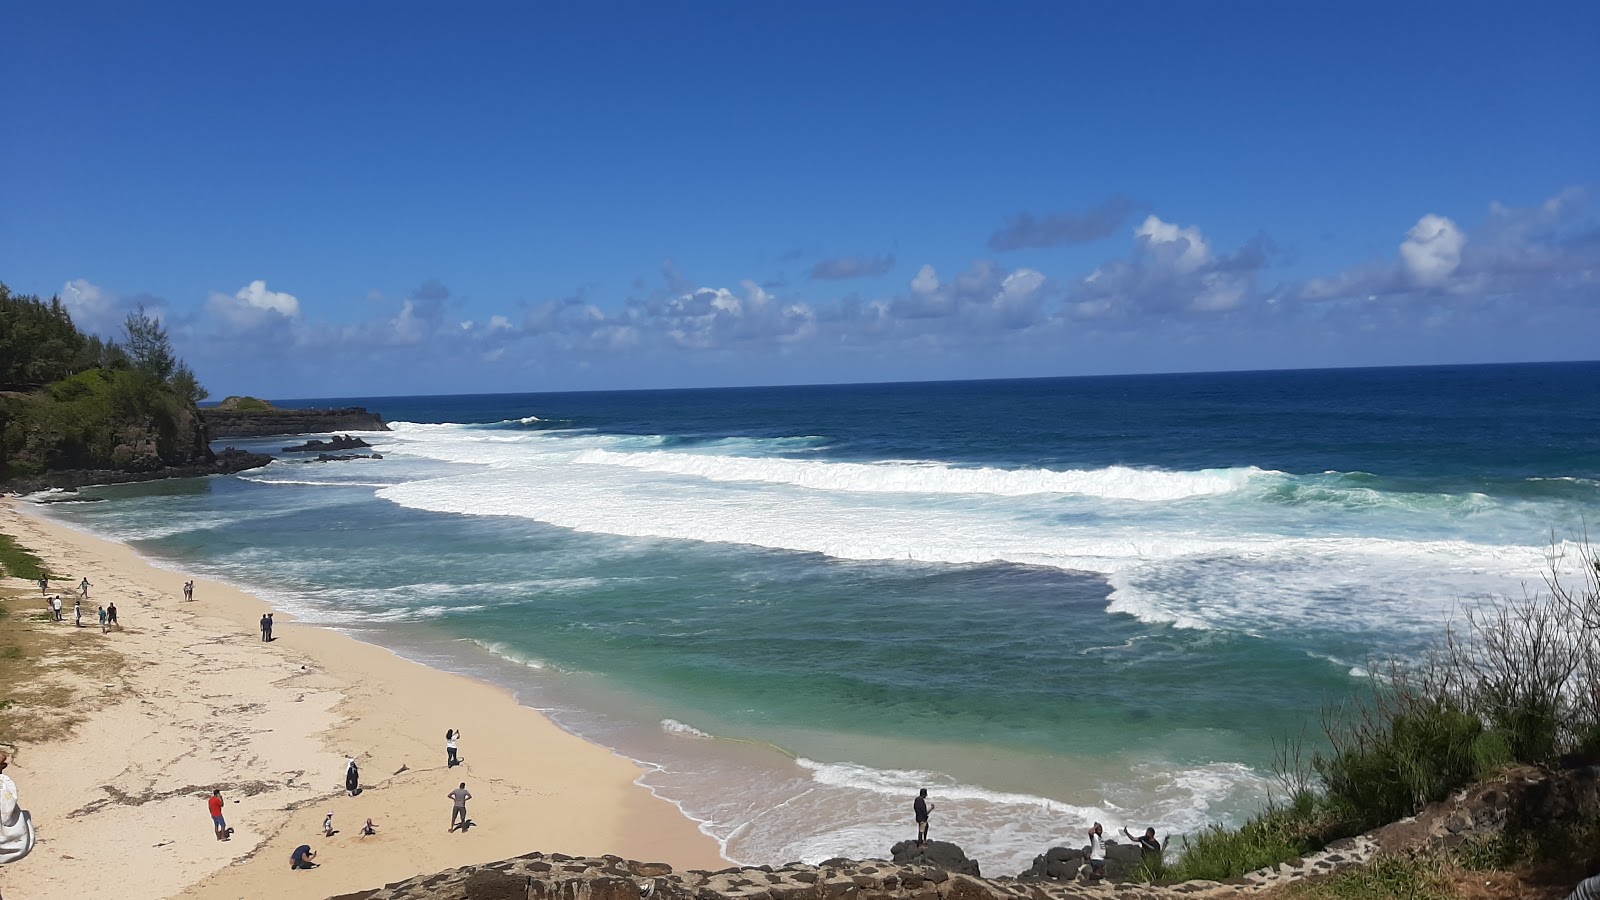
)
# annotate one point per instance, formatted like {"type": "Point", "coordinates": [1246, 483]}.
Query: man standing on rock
{"type": "Point", "coordinates": [459, 812]}
{"type": "Point", "coordinates": [921, 807]}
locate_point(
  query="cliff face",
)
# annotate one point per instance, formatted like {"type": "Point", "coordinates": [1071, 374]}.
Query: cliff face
{"type": "Point", "coordinates": [238, 423]}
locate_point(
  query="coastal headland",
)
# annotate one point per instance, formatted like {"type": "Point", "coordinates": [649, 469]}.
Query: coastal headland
{"type": "Point", "coordinates": [192, 699]}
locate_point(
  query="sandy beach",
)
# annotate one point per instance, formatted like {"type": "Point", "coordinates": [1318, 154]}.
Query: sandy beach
{"type": "Point", "coordinates": [197, 701]}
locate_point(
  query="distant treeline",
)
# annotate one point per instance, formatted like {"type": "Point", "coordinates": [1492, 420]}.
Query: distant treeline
{"type": "Point", "coordinates": [71, 400]}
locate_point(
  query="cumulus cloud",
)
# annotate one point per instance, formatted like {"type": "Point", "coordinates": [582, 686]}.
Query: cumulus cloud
{"type": "Point", "coordinates": [1432, 250]}
{"type": "Point", "coordinates": [100, 311]}
{"type": "Point", "coordinates": [1172, 270]}
{"type": "Point", "coordinates": [1532, 257]}
{"type": "Point", "coordinates": [842, 267]}
{"type": "Point", "coordinates": [1023, 230]}
{"type": "Point", "coordinates": [253, 306]}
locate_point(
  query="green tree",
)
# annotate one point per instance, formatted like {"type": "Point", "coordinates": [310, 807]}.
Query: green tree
{"type": "Point", "coordinates": [148, 346]}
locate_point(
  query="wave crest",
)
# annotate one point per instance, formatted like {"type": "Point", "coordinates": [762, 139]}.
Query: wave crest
{"type": "Point", "coordinates": [1112, 482]}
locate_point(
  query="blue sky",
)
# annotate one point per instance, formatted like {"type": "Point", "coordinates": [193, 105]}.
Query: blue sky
{"type": "Point", "coordinates": [386, 198]}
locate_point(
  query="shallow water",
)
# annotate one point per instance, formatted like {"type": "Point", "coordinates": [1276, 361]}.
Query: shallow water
{"type": "Point", "coordinates": [1047, 601]}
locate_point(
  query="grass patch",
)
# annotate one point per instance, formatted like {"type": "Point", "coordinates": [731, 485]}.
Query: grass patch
{"type": "Point", "coordinates": [51, 675]}
{"type": "Point", "coordinates": [1280, 833]}
{"type": "Point", "coordinates": [18, 562]}
{"type": "Point", "coordinates": [1385, 878]}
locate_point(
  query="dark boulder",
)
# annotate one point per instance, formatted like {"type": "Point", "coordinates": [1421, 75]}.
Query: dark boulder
{"type": "Point", "coordinates": [1068, 863]}
{"type": "Point", "coordinates": [938, 854]}
{"type": "Point", "coordinates": [337, 442]}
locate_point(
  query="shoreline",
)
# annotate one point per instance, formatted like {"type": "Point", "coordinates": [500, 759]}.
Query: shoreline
{"type": "Point", "coordinates": [204, 703]}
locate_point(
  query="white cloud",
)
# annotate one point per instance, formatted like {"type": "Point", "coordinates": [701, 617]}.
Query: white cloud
{"type": "Point", "coordinates": [926, 280]}
{"type": "Point", "coordinates": [254, 306]}
{"type": "Point", "coordinates": [1185, 248]}
{"type": "Point", "coordinates": [1432, 250]}
{"type": "Point", "coordinates": [499, 323]}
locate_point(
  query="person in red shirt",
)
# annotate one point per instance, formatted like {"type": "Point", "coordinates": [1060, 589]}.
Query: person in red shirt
{"type": "Point", "coordinates": [217, 822]}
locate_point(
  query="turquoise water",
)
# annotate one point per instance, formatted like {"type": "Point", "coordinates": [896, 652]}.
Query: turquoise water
{"type": "Point", "coordinates": [1048, 601]}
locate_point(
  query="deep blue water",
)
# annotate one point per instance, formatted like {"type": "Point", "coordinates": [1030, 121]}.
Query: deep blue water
{"type": "Point", "coordinates": [1048, 600]}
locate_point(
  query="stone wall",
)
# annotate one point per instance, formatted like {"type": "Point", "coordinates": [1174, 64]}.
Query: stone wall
{"type": "Point", "coordinates": [538, 876]}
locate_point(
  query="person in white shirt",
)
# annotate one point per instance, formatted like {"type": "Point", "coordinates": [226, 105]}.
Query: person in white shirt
{"type": "Point", "coordinates": [451, 735]}
{"type": "Point", "coordinates": [1097, 852]}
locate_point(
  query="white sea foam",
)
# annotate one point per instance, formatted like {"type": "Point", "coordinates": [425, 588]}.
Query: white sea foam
{"type": "Point", "coordinates": [506, 653]}
{"type": "Point", "coordinates": [923, 477]}
{"type": "Point", "coordinates": [673, 726]}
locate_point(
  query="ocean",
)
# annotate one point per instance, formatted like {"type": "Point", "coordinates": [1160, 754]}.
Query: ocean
{"type": "Point", "coordinates": [1048, 601]}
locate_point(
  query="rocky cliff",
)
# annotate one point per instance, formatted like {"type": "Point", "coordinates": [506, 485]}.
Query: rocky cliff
{"type": "Point", "coordinates": [237, 423]}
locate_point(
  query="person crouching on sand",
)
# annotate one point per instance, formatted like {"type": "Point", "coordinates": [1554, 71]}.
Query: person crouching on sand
{"type": "Point", "coordinates": [302, 858]}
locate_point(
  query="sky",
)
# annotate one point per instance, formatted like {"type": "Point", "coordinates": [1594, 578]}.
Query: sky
{"type": "Point", "coordinates": [364, 198]}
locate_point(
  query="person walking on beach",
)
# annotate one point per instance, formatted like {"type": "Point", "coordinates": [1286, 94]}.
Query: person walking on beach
{"type": "Point", "coordinates": [219, 824]}
{"type": "Point", "coordinates": [44, 585]}
{"type": "Point", "coordinates": [111, 613]}
{"type": "Point", "coordinates": [1097, 852]}
{"type": "Point", "coordinates": [77, 613]}
{"type": "Point", "coordinates": [188, 590]}
{"type": "Point", "coordinates": [451, 735]}
{"type": "Point", "coordinates": [459, 812]}
{"type": "Point", "coordinates": [921, 807]}
{"type": "Point", "coordinates": [16, 823]}
{"type": "Point", "coordinates": [55, 606]}
{"type": "Point", "coordinates": [83, 587]}
{"type": "Point", "coordinates": [102, 620]}
{"type": "Point", "coordinates": [269, 628]}
{"type": "Point", "coordinates": [352, 778]}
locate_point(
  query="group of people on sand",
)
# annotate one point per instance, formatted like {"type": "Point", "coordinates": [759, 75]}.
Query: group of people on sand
{"type": "Point", "coordinates": [53, 608]}
{"type": "Point", "coordinates": [1147, 842]}
{"type": "Point", "coordinates": [304, 857]}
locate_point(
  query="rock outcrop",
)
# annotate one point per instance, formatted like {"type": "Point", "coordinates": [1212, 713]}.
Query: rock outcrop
{"type": "Point", "coordinates": [337, 442]}
{"type": "Point", "coordinates": [555, 876]}
{"type": "Point", "coordinates": [226, 462]}
{"type": "Point", "coordinates": [270, 422]}
{"type": "Point", "coordinates": [938, 854]}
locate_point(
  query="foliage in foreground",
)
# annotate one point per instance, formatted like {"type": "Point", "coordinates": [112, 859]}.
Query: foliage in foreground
{"type": "Point", "coordinates": [1517, 682]}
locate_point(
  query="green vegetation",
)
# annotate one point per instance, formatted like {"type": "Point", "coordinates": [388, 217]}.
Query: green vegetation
{"type": "Point", "coordinates": [246, 404]}
{"type": "Point", "coordinates": [70, 400]}
{"type": "Point", "coordinates": [1517, 681]}
{"type": "Point", "coordinates": [18, 562]}
{"type": "Point", "coordinates": [1387, 878]}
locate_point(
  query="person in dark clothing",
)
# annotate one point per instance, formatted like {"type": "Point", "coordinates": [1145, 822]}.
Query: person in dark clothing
{"type": "Point", "coordinates": [1147, 842]}
{"type": "Point", "coordinates": [921, 807]}
{"type": "Point", "coordinates": [352, 779]}
{"type": "Point", "coordinates": [302, 858]}
{"type": "Point", "coordinates": [111, 612]}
